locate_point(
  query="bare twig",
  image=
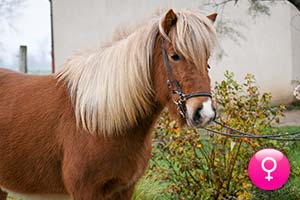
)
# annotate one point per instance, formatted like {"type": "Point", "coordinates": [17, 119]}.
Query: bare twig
{"type": "Point", "coordinates": [296, 3]}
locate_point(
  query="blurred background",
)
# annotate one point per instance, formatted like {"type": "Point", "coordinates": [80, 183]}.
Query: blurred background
{"type": "Point", "coordinates": [25, 22]}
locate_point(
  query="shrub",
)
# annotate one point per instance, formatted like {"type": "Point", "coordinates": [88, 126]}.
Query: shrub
{"type": "Point", "coordinates": [197, 164]}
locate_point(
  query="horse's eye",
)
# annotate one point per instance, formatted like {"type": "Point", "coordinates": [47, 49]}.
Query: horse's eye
{"type": "Point", "coordinates": [175, 57]}
{"type": "Point", "coordinates": [208, 66]}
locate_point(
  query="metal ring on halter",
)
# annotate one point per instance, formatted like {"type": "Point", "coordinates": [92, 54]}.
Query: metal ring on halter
{"type": "Point", "coordinates": [171, 81]}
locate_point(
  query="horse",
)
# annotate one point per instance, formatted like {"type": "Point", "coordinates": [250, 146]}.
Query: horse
{"type": "Point", "coordinates": [85, 132]}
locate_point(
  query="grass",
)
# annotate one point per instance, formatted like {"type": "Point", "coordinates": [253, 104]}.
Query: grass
{"type": "Point", "coordinates": [150, 188]}
{"type": "Point", "coordinates": [13, 198]}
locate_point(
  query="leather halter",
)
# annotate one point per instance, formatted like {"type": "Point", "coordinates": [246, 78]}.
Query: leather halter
{"type": "Point", "coordinates": [171, 82]}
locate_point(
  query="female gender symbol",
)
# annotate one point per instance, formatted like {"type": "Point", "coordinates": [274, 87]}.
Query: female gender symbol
{"type": "Point", "coordinates": [269, 161]}
{"type": "Point", "coordinates": [269, 177]}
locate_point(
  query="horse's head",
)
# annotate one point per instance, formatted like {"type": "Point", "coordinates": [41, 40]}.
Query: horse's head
{"type": "Point", "coordinates": [181, 54]}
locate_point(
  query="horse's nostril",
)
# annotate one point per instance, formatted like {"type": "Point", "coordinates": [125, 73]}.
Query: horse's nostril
{"type": "Point", "coordinates": [197, 115]}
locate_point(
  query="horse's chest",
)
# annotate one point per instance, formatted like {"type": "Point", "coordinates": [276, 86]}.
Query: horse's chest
{"type": "Point", "coordinates": [131, 157]}
{"type": "Point", "coordinates": [111, 159]}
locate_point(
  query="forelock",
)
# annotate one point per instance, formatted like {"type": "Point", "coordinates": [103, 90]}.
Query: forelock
{"type": "Point", "coordinates": [194, 37]}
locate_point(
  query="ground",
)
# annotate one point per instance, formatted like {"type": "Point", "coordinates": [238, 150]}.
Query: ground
{"type": "Point", "coordinates": [292, 118]}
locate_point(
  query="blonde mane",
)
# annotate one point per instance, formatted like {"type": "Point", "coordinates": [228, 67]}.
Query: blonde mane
{"type": "Point", "coordinates": [111, 88]}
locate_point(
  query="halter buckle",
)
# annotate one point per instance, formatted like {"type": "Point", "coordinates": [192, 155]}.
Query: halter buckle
{"type": "Point", "coordinates": [169, 83]}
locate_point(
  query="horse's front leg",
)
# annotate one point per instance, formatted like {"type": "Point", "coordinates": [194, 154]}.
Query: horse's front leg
{"type": "Point", "coordinates": [86, 192]}
{"type": "Point", "coordinates": [110, 190]}
{"type": "Point", "coordinates": [79, 195]}
{"type": "Point", "coordinates": [124, 194]}
{"type": "Point", "coordinates": [83, 189]}
{"type": "Point", "coordinates": [3, 195]}
{"type": "Point", "coordinates": [91, 185]}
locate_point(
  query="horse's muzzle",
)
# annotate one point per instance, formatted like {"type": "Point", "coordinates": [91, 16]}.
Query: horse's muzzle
{"type": "Point", "coordinates": [200, 115]}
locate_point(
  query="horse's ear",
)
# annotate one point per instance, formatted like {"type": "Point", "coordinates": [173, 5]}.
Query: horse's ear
{"type": "Point", "coordinates": [212, 17]}
{"type": "Point", "coordinates": [169, 20]}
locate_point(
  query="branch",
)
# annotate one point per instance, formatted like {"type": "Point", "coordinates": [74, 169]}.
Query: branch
{"type": "Point", "coordinates": [296, 3]}
{"type": "Point", "coordinates": [225, 2]}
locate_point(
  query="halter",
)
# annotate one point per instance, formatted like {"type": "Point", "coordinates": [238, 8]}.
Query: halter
{"type": "Point", "coordinates": [171, 81]}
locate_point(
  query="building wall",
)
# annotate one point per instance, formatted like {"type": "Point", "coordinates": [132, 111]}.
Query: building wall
{"type": "Point", "coordinates": [295, 32]}
{"type": "Point", "coordinates": [269, 50]}
{"type": "Point", "coordinates": [80, 25]}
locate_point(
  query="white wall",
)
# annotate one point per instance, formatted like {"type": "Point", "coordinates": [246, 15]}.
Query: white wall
{"type": "Point", "coordinates": [269, 51]}
{"type": "Point", "coordinates": [80, 24]}
{"type": "Point", "coordinates": [295, 32]}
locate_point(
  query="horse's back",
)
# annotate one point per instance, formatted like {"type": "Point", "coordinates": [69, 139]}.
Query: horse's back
{"type": "Point", "coordinates": [30, 111]}
{"type": "Point", "coordinates": [23, 96]}
{"type": "Point", "coordinates": [9, 95]}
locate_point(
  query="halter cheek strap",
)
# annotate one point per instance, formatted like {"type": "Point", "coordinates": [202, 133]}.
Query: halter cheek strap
{"type": "Point", "coordinates": [171, 82]}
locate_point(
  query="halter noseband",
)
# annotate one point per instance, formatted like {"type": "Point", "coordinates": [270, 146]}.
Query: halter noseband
{"type": "Point", "coordinates": [171, 81]}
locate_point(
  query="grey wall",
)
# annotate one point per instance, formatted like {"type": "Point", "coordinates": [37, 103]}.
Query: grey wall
{"type": "Point", "coordinates": [295, 32]}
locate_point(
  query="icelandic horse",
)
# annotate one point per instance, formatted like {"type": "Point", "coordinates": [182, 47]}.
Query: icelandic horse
{"type": "Point", "coordinates": [85, 132]}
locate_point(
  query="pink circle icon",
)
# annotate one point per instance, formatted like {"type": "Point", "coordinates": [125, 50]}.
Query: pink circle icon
{"type": "Point", "coordinates": [269, 169]}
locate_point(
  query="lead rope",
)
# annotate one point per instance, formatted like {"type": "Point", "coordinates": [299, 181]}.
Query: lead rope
{"type": "Point", "coordinates": [241, 134]}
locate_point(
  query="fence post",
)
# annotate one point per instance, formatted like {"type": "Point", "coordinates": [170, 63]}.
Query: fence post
{"type": "Point", "coordinates": [23, 59]}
